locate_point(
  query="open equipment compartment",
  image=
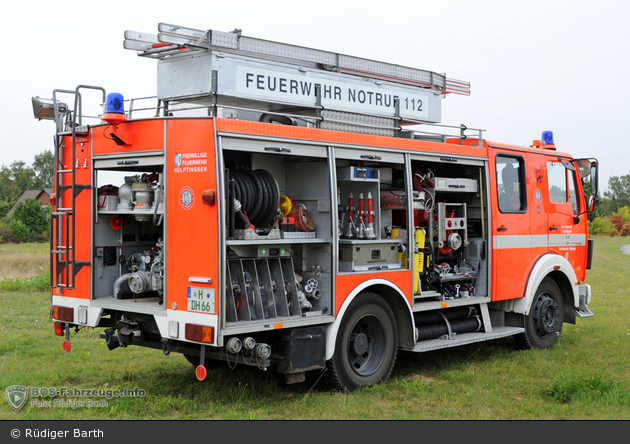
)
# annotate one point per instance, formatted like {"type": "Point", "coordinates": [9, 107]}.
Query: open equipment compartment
{"type": "Point", "coordinates": [278, 264]}
{"type": "Point", "coordinates": [129, 247]}
{"type": "Point", "coordinates": [454, 219]}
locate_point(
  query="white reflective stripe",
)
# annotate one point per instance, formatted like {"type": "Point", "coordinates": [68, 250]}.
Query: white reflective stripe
{"type": "Point", "coordinates": [519, 241]}
{"type": "Point", "coordinates": [558, 240]}
{"type": "Point", "coordinates": [537, 240]}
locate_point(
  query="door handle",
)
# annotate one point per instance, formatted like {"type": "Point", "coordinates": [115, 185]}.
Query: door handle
{"type": "Point", "coordinates": [277, 149]}
{"type": "Point", "coordinates": [553, 228]}
{"type": "Point", "coordinates": [501, 229]}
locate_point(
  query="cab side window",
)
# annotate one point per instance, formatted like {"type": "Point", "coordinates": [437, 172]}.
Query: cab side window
{"type": "Point", "coordinates": [557, 178]}
{"type": "Point", "coordinates": [562, 185]}
{"type": "Point", "coordinates": [511, 184]}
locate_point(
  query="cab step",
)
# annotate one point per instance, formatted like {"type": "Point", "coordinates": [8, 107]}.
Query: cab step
{"type": "Point", "coordinates": [465, 338]}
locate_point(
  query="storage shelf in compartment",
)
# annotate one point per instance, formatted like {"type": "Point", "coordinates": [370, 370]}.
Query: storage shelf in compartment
{"type": "Point", "coordinates": [359, 179]}
{"type": "Point", "coordinates": [457, 277]}
{"type": "Point", "coordinates": [129, 212]}
{"type": "Point", "coordinates": [276, 241]}
{"type": "Point", "coordinates": [369, 241]}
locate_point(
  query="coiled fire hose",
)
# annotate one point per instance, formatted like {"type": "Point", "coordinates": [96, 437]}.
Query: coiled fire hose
{"type": "Point", "coordinates": [303, 220]}
{"type": "Point", "coordinates": [258, 194]}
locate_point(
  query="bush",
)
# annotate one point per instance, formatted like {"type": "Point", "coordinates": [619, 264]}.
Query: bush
{"type": "Point", "coordinates": [33, 215]}
{"type": "Point", "coordinates": [30, 223]}
{"type": "Point", "coordinates": [5, 207]}
{"type": "Point", "coordinates": [621, 226]}
{"type": "Point", "coordinates": [624, 212]}
{"type": "Point", "coordinates": [19, 231]}
{"type": "Point", "coordinates": [602, 226]}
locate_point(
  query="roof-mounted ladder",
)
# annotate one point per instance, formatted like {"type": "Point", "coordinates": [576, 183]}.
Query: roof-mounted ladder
{"type": "Point", "coordinates": [178, 41]}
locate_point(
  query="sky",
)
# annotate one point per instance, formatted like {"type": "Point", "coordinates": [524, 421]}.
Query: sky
{"type": "Point", "coordinates": [533, 66]}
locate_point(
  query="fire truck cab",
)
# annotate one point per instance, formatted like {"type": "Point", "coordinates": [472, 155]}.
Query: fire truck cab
{"type": "Point", "coordinates": [280, 207]}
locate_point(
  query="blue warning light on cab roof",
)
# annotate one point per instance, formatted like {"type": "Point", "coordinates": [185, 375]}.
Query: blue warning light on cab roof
{"type": "Point", "coordinates": [547, 137]}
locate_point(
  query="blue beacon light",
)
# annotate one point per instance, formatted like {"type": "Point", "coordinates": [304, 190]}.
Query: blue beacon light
{"type": "Point", "coordinates": [114, 109]}
{"type": "Point", "coordinates": [547, 137]}
{"type": "Point", "coordinates": [115, 103]}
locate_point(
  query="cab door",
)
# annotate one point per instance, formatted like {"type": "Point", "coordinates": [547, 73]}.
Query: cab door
{"type": "Point", "coordinates": [567, 228]}
{"type": "Point", "coordinates": [511, 248]}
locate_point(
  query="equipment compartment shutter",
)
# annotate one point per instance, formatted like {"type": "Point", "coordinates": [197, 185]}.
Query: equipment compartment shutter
{"type": "Point", "coordinates": [273, 147]}
{"type": "Point", "coordinates": [368, 155]}
{"type": "Point", "coordinates": [135, 161]}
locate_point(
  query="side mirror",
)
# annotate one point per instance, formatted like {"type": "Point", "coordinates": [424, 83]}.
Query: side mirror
{"type": "Point", "coordinates": [584, 167]}
{"type": "Point", "coordinates": [588, 168]}
{"type": "Point", "coordinates": [594, 176]}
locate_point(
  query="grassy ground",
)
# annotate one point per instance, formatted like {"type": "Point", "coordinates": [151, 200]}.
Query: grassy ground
{"type": "Point", "coordinates": [585, 376]}
{"type": "Point", "coordinates": [23, 260]}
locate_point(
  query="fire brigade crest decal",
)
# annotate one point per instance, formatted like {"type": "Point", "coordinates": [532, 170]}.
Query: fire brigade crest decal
{"type": "Point", "coordinates": [186, 198]}
{"type": "Point", "coordinates": [178, 160]}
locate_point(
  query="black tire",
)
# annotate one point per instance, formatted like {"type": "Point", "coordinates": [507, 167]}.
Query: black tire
{"type": "Point", "coordinates": [366, 345]}
{"type": "Point", "coordinates": [543, 324]}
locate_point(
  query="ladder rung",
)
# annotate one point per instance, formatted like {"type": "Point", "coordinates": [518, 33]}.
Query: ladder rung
{"type": "Point", "coordinates": [64, 171]}
{"type": "Point", "coordinates": [76, 185]}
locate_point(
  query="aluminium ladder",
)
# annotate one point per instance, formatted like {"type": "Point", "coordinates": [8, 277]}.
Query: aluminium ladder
{"type": "Point", "coordinates": [64, 265]}
{"type": "Point", "coordinates": [178, 41]}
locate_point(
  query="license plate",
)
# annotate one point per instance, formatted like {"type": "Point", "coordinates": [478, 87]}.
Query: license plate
{"type": "Point", "coordinates": [201, 300]}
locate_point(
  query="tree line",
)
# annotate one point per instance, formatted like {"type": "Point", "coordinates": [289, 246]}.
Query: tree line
{"type": "Point", "coordinates": [30, 221]}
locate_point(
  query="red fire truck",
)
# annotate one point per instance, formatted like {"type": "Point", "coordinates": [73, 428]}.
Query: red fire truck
{"type": "Point", "coordinates": [287, 207]}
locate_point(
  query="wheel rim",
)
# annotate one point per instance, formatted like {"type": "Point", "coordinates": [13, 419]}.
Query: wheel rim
{"type": "Point", "coordinates": [546, 315]}
{"type": "Point", "coordinates": [366, 349]}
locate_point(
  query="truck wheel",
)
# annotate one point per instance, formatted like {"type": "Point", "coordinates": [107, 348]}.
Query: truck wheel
{"type": "Point", "coordinates": [543, 324]}
{"type": "Point", "coordinates": [366, 345]}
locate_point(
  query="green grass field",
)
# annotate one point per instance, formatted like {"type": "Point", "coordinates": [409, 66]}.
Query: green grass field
{"type": "Point", "coordinates": [585, 376]}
